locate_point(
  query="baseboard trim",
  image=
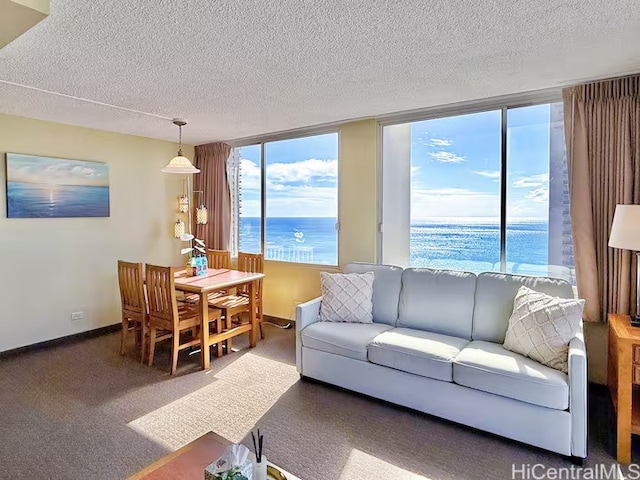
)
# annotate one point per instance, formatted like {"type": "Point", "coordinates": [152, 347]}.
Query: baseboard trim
{"type": "Point", "coordinates": [56, 342]}
{"type": "Point", "coordinates": [283, 322]}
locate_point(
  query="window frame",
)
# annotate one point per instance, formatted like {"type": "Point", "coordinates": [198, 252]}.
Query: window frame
{"type": "Point", "coordinates": [502, 104]}
{"type": "Point", "coordinates": [276, 137]}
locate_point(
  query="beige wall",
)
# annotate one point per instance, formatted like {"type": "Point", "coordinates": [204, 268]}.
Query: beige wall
{"type": "Point", "coordinates": [52, 267]}
{"type": "Point", "coordinates": [358, 200]}
{"type": "Point", "coordinates": [288, 284]}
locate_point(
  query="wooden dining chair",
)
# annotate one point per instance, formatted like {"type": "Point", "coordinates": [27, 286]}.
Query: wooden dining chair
{"type": "Point", "coordinates": [134, 305]}
{"type": "Point", "coordinates": [218, 258]}
{"type": "Point", "coordinates": [235, 305]}
{"type": "Point", "coordinates": [167, 319]}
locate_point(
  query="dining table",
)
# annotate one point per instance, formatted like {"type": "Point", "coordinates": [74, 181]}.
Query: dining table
{"type": "Point", "coordinates": [215, 280]}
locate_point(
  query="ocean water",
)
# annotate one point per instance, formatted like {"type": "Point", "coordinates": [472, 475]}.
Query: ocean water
{"type": "Point", "coordinates": [310, 240]}
{"type": "Point", "coordinates": [456, 244]}
{"type": "Point", "coordinates": [32, 200]}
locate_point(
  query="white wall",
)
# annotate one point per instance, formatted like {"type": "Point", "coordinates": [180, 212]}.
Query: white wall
{"type": "Point", "coordinates": [52, 267]}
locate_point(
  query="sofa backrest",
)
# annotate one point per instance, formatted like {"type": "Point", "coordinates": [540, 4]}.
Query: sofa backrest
{"type": "Point", "coordinates": [494, 301]}
{"type": "Point", "coordinates": [386, 289]}
{"type": "Point", "coordinates": [439, 301]}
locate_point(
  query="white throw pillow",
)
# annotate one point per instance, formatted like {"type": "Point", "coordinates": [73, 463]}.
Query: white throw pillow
{"type": "Point", "coordinates": [347, 297]}
{"type": "Point", "coordinates": [541, 327]}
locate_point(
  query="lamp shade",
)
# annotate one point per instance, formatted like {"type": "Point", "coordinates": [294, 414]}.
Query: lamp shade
{"type": "Point", "coordinates": [625, 231]}
{"type": "Point", "coordinates": [183, 204]}
{"type": "Point", "coordinates": [202, 216]}
{"type": "Point", "coordinates": [178, 229]}
{"type": "Point", "coordinates": [181, 165]}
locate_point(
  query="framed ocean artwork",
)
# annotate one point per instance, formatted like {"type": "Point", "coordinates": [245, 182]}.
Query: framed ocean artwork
{"type": "Point", "coordinates": [45, 187]}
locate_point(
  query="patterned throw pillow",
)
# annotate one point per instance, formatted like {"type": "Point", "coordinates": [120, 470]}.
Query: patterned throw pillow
{"type": "Point", "coordinates": [541, 327]}
{"type": "Point", "coordinates": [347, 297]}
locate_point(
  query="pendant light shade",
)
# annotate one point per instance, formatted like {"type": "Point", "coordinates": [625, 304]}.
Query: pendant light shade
{"type": "Point", "coordinates": [183, 203]}
{"type": "Point", "coordinates": [202, 215]}
{"type": "Point", "coordinates": [180, 164]}
{"type": "Point", "coordinates": [178, 229]}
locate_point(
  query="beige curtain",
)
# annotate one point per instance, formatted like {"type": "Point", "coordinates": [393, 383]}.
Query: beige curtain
{"type": "Point", "coordinates": [602, 126]}
{"type": "Point", "coordinates": [211, 159]}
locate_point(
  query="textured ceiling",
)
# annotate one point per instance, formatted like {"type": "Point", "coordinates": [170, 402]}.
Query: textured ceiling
{"type": "Point", "coordinates": [242, 68]}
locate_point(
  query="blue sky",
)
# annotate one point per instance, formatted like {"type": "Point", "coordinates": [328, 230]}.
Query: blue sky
{"type": "Point", "coordinates": [55, 171]}
{"type": "Point", "coordinates": [455, 169]}
{"type": "Point", "coordinates": [302, 177]}
{"type": "Point", "coordinates": [456, 165]}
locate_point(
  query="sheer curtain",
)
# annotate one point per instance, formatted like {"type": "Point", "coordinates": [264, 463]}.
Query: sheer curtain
{"type": "Point", "coordinates": [602, 124]}
{"type": "Point", "coordinates": [211, 159]}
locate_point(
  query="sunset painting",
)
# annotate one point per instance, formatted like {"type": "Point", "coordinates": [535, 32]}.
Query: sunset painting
{"type": "Point", "coordinates": [43, 187]}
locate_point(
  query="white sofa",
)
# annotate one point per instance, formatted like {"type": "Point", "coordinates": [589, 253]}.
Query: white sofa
{"type": "Point", "coordinates": [435, 345]}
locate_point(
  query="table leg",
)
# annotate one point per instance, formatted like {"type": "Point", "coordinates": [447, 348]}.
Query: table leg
{"type": "Point", "coordinates": [252, 313]}
{"type": "Point", "coordinates": [625, 397]}
{"type": "Point", "coordinates": [204, 332]}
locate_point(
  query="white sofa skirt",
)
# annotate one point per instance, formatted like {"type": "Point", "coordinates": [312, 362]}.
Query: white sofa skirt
{"type": "Point", "coordinates": [532, 424]}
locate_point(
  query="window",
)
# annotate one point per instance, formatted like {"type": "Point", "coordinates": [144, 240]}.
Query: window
{"type": "Point", "coordinates": [455, 190]}
{"type": "Point", "coordinates": [538, 230]}
{"type": "Point", "coordinates": [249, 204]}
{"type": "Point", "coordinates": [474, 205]}
{"type": "Point", "coordinates": [298, 209]}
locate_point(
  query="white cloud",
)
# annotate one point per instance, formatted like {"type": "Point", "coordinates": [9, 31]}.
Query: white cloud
{"type": "Point", "coordinates": [488, 173]}
{"type": "Point", "coordinates": [313, 199]}
{"type": "Point", "coordinates": [539, 195]}
{"type": "Point", "coordinates": [440, 142]}
{"type": "Point", "coordinates": [446, 157]}
{"type": "Point", "coordinates": [532, 181]}
{"type": "Point", "coordinates": [305, 171]}
{"type": "Point", "coordinates": [453, 202]}
{"type": "Point", "coordinates": [249, 174]}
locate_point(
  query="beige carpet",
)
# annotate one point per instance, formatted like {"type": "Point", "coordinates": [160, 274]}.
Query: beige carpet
{"type": "Point", "coordinates": [82, 411]}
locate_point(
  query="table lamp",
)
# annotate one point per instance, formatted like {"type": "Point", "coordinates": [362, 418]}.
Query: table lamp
{"type": "Point", "coordinates": [625, 234]}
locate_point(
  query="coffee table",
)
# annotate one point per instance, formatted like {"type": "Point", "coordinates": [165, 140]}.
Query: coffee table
{"type": "Point", "coordinates": [189, 462]}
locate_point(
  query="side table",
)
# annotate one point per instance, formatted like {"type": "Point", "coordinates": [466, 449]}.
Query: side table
{"type": "Point", "coordinates": [623, 378]}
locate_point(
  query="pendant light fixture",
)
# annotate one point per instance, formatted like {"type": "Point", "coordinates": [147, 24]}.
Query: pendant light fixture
{"type": "Point", "coordinates": [180, 164]}
{"type": "Point", "coordinates": [202, 216]}
{"type": "Point", "coordinates": [178, 229]}
{"type": "Point", "coordinates": [183, 203]}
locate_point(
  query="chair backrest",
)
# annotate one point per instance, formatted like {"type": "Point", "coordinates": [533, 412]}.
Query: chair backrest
{"type": "Point", "coordinates": [218, 258]}
{"type": "Point", "coordinates": [131, 285]}
{"type": "Point", "coordinates": [253, 263]}
{"type": "Point", "coordinates": [250, 262]}
{"type": "Point", "coordinates": [163, 305]}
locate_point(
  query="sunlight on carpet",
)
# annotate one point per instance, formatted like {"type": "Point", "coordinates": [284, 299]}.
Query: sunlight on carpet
{"type": "Point", "coordinates": [237, 398]}
{"type": "Point", "coordinates": [362, 465]}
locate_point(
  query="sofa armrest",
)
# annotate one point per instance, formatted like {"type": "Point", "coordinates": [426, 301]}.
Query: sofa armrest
{"type": "Point", "coordinates": [306, 314]}
{"type": "Point", "coordinates": [578, 382]}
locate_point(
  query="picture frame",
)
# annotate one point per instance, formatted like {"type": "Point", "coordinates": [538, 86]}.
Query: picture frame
{"type": "Point", "coordinates": [50, 187]}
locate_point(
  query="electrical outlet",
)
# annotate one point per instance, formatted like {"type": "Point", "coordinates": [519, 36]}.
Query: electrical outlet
{"type": "Point", "coordinates": [77, 316]}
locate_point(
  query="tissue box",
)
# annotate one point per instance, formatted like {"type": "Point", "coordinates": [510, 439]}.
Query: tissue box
{"type": "Point", "coordinates": [233, 456]}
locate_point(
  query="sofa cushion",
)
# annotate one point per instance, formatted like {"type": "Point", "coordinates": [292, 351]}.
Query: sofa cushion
{"type": "Point", "coordinates": [386, 289]}
{"type": "Point", "coordinates": [346, 297]}
{"type": "Point", "coordinates": [541, 327]}
{"type": "Point", "coordinates": [346, 339]}
{"type": "Point", "coordinates": [424, 353]}
{"type": "Point", "coordinates": [439, 301]}
{"type": "Point", "coordinates": [494, 301]}
{"type": "Point", "coordinates": [488, 367]}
